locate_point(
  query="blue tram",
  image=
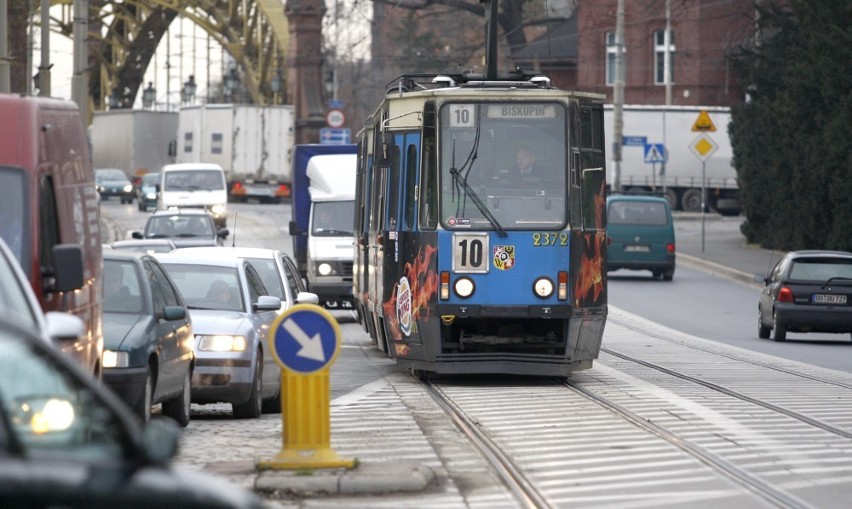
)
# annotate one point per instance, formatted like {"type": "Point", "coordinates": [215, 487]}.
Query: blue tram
{"type": "Point", "coordinates": [480, 225]}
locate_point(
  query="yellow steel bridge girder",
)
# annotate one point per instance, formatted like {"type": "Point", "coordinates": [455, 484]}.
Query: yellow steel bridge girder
{"type": "Point", "coordinates": [253, 32]}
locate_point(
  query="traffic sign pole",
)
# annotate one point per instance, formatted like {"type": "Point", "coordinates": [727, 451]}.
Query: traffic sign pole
{"type": "Point", "coordinates": [305, 341]}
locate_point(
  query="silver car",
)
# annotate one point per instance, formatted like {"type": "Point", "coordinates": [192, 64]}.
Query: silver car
{"type": "Point", "coordinates": [232, 312]}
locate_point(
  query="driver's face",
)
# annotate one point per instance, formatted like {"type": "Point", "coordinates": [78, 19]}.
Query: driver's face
{"type": "Point", "coordinates": [524, 158]}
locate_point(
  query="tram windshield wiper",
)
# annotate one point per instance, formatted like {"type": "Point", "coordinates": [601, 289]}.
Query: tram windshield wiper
{"type": "Point", "coordinates": [477, 201]}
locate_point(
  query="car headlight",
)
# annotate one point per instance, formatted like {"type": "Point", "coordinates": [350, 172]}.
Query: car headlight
{"type": "Point", "coordinates": [100, 189]}
{"type": "Point", "coordinates": [127, 188]}
{"type": "Point", "coordinates": [543, 287]}
{"type": "Point", "coordinates": [217, 209]}
{"type": "Point", "coordinates": [115, 359]}
{"type": "Point", "coordinates": [222, 343]}
{"type": "Point", "coordinates": [151, 196]}
{"type": "Point", "coordinates": [324, 269]}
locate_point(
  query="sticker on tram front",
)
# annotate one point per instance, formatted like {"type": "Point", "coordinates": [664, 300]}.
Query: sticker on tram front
{"type": "Point", "coordinates": [504, 257]}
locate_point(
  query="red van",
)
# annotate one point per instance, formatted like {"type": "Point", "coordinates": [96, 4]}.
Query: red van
{"type": "Point", "coordinates": [49, 215]}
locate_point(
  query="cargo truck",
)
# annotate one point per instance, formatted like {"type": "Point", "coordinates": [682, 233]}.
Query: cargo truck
{"type": "Point", "coordinates": [135, 141]}
{"type": "Point", "coordinates": [662, 154]}
{"type": "Point", "coordinates": [253, 145]}
{"type": "Point", "coordinates": [323, 211]}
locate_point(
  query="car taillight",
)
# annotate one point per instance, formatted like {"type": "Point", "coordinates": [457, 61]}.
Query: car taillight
{"type": "Point", "coordinates": [282, 190]}
{"type": "Point", "coordinates": [670, 248]}
{"type": "Point", "coordinates": [785, 294]}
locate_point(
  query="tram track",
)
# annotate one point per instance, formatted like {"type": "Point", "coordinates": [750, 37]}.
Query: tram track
{"type": "Point", "coordinates": [507, 469]}
{"type": "Point", "coordinates": [663, 337]}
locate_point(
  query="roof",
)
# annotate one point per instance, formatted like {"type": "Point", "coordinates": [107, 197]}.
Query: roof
{"type": "Point", "coordinates": [191, 166]}
{"type": "Point", "coordinates": [241, 252]}
{"type": "Point", "coordinates": [332, 176]}
{"type": "Point", "coordinates": [196, 259]}
{"type": "Point", "coordinates": [635, 197]}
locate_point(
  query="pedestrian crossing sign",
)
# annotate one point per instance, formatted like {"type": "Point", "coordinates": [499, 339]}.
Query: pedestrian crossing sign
{"type": "Point", "coordinates": [655, 153]}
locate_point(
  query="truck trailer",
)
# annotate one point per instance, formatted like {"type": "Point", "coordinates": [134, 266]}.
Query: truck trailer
{"type": "Point", "coordinates": [135, 141]}
{"type": "Point", "coordinates": [662, 154]}
{"type": "Point", "coordinates": [323, 212]}
{"type": "Point", "coordinates": [253, 144]}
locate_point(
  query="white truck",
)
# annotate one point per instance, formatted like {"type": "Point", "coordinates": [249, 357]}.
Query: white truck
{"type": "Point", "coordinates": [323, 211]}
{"type": "Point", "coordinates": [136, 141]}
{"type": "Point", "coordinates": [662, 154]}
{"type": "Point", "coordinates": [253, 144]}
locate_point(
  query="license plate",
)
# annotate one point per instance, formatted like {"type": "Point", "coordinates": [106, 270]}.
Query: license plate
{"type": "Point", "coordinates": [637, 249]}
{"type": "Point", "coordinates": [820, 298]}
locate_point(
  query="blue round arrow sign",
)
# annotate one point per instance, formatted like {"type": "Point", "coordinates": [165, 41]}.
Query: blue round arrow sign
{"type": "Point", "coordinates": [305, 338]}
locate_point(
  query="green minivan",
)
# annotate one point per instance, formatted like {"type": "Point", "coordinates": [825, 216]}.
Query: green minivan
{"type": "Point", "coordinates": [641, 235]}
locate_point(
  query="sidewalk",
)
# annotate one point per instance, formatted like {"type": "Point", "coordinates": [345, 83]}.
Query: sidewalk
{"type": "Point", "coordinates": [724, 251]}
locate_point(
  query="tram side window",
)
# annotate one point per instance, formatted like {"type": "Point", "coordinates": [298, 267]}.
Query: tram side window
{"type": "Point", "coordinates": [429, 170]}
{"type": "Point", "coordinates": [393, 189]}
{"type": "Point", "coordinates": [410, 186]}
{"type": "Point", "coordinates": [593, 168]}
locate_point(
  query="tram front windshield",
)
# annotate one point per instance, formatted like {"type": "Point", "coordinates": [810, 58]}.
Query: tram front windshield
{"type": "Point", "coordinates": [503, 166]}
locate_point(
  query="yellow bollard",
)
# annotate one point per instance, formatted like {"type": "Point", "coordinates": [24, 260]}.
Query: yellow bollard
{"type": "Point", "coordinates": [305, 341]}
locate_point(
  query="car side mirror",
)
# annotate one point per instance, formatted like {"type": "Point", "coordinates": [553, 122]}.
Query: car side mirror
{"type": "Point", "coordinates": [294, 229]}
{"type": "Point", "coordinates": [136, 234]}
{"type": "Point", "coordinates": [307, 298]}
{"type": "Point", "coordinates": [758, 278]}
{"type": "Point", "coordinates": [172, 313]}
{"type": "Point", "coordinates": [67, 268]}
{"type": "Point", "coordinates": [223, 233]}
{"type": "Point", "coordinates": [267, 303]}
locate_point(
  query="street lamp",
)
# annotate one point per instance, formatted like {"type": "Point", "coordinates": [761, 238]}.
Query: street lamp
{"type": "Point", "coordinates": [149, 95]}
{"type": "Point", "coordinates": [232, 80]}
{"type": "Point", "coordinates": [189, 87]}
{"type": "Point", "coordinates": [276, 84]}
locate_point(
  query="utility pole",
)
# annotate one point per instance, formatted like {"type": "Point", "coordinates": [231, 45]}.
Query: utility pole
{"type": "Point", "coordinates": [618, 96]}
{"type": "Point", "coordinates": [44, 68]}
{"type": "Point", "coordinates": [5, 69]}
{"type": "Point", "coordinates": [81, 57]}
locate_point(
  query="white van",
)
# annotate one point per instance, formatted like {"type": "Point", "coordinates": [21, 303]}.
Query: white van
{"type": "Point", "coordinates": [194, 185]}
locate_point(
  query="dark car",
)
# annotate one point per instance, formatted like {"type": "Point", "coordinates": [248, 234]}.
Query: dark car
{"type": "Point", "coordinates": [185, 227]}
{"type": "Point", "coordinates": [67, 441]}
{"type": "Point", "coordinates": [148, 356]}
{"type": "Point", "coordinates": [146, 191]}
{"type": "Point", "coordinates": [114, 182]}
{"type": "Point", "coordinates": [806, 291]}
{"type": "Point", "coordinates": [232, 314]}
{"type": "Point", "coordinates": [641, 236]}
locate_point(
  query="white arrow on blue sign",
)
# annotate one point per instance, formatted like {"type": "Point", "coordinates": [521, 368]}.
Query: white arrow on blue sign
{"type": "Point", "coordinates": [655, 153]}
{"type": "Point", "coordinates": [305, 339]}
{"type": "Point", "coordinates": [335, 135]}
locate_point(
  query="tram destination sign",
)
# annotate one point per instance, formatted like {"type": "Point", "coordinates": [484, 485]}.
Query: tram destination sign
{"type": "Point", "coordinates": [521, 110]}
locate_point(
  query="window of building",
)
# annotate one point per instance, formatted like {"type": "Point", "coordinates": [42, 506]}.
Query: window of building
{"type": "Point", "coordinates": [660, 57]}
{"type": "Point", "coordinates": [611, 50]}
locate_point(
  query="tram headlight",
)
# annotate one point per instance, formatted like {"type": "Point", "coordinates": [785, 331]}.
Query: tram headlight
{"type": "Point", "coordinates": [464, 287]}
{"type": "Point", "coordinates": [543, 287]}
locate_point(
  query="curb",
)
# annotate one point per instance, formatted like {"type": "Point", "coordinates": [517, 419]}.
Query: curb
{"type": "Point", "coordinates": [366, 478]}
{"type": "Point", "coordinates": [716, 269]}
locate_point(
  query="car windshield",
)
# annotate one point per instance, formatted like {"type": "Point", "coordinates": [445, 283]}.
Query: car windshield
{"type": "Point", "coordinates": [207, 286]}
{"type": "Point", "coordinates": [51, 412]}
{"type": "Point", "coordinates": [14, 219]}
{"type": "Point", "coordinates": [333, 218]}
{"type": "Point", "coordinates": [821, 270]}
{"type": "Point", "coordinates": [179, 226]}
{"type": "Point", "coordinates": [193, 180]}
{"type": "Point", "coordinates": [637, 213]}
{"type": "Point", "coordinates": [151, 179]}
{"type": "Point", "coordinates": [122, 289]}
{"type": "Point", "coordinates": [14, 303]}
{"type": "Point", "coordinates": [109, 175]}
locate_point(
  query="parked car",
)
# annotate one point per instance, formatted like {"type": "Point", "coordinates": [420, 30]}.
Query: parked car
{"type": "Point", "coordinates": [145, 245]}
{"type": "Point", "coordinates": [67, 441]}
{"type": "Point", "coordinates": [185, 227]}
{"type": "Point", "coordinates": [114, 182]}
{"type": "Point", "coordinates": [148, 354]}
{"type": "Point", "coordinates": [18, 304]}
{"type": "Point", "coordinates": [232, 313]}
{"type": "Point", "coordinates": [806, 291]}
{"type": "Point", "coordinates": [146, 191]}
{"type": "Point", "coordinates": [641, 235]}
